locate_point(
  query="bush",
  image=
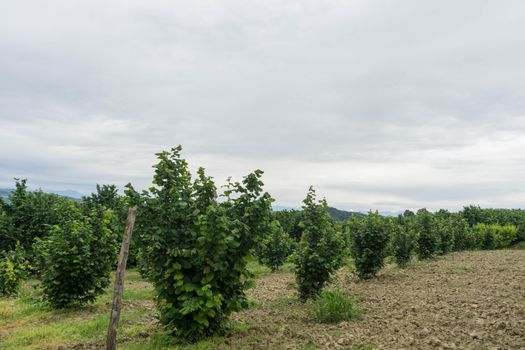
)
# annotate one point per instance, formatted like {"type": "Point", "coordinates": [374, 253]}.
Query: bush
{"type": "Point", "coordinates": [320, 251]}
{"type": "Point", "coordinates": [505, 236]}
{"type": "Point", "coordinates": [463, 236]}
{"type": "Point", "coordinates": [484, 236]}
{"type": "Point", "coordinates": [445, 232]}
{"type": "Point", "coordinates": [403, 243]}
{"type": "Point", "coordinates": [335, 306]}
{"type": "Point", "coordinates": [369, 239]}
{"type": "Point", "coordinates": [290, 221]}
{"type": "Point", "coordinates": [427, 240]}
{"type": "Point", "coordinates": [31, 214]}
{"type": "Point", "coordinates": [515, 217]}
{"type": "Point", "coordinates": [77, 259]}
{"type": "Point", "coordinates": [275, 247]}
{"type": "Point", "coordinates": [12, 271]}
{"type": "Point", "coordinates": [7, 236]}
{"type": "Point", "coordinates": [196, 247]}
{"type": "Point", "coordinates": [494, 236]}
{"type": "Point", "coordinates": [107, 196]}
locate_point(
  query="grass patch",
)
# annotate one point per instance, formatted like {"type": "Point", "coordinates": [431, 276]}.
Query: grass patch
{"type": "Point", "coordinates": [288, 267]}
{"type": "Point", "coordinates": [364, 347]}
{"type": "Point", "coordinates": [26, 322]}
{"type": "Point", "coordinates": [133, 275]}
{"type": "Point", "coordinates": [335, 306]}
{"type": "Point", "coordinates": [518, 246]}
{"type": "Point", "coordinates": [257, 269]}
{"type": "Point", "coordinates": [165, 341]}
{"type": "Point", "coordinates": [459, 269]}
{"type": "Point", "coordinates": [254, 304]}
{"type": "Point", "coordinates": [260, 270]}
{"type": "Point", "coordinates": [310, 346]}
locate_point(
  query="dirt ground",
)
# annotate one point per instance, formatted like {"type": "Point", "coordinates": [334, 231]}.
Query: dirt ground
{"type": "Point", "coordinates": [468, 300]}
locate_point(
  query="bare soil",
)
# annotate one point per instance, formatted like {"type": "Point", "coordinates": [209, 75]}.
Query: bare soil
{"type": "Point", "coordinates": [468, 300]}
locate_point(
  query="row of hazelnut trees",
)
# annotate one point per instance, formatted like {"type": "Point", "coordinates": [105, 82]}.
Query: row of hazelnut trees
{"type": "Point", "coordinates": [370, 239]}
{"type": "Point", "coordinates": [193, 240]}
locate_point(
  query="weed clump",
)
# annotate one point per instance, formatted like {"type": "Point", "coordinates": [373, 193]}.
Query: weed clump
{"type": "Point", "coordinates": [335, 306]}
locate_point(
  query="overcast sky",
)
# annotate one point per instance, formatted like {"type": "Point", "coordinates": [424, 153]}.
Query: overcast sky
{"type": "Point", "coordinates": [378, 104]}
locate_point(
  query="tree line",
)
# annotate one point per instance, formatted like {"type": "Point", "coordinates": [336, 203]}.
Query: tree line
{"type": "Point", "coordinates": [193, 239]}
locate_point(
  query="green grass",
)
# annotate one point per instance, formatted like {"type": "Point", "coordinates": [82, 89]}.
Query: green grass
{"type": "Point", "coordinates": [519, 246]}
{"type": "Point", "coordinates": [28, 323]}
{"type": "Point", "coordinates": [259, 270]}
{"type": "Point", "coordinates": [335, 306]}
{"type": "Point", "coordinates": [165, 341]}
{"type": "Point", "coordinates": [364, 347]}
{"type": "Point", "coordinates": [310, 346]}
{"type": "Point", "coordinates": [459, 269]}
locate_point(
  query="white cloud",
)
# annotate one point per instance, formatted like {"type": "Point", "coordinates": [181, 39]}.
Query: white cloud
{"type": "Point", "coordinates": [379, 104]}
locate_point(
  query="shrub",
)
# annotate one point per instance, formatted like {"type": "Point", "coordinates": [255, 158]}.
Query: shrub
{"type": "Point", "coordinates": [335, 306]}
{"type": "Point", "coordinates": [369, 238]}
{"type": "Point", "coordinates": [516, 217]}
{"type": "Point", "coordinates": [474, 214]}
{"type": "Point", "coordinates": [403, 243]}
{"type": "Point", "coordinates": [290, 221]}
{"type": "Point", "coordinates": [463, 236]}
{"type": "Point", "coordinates": [427, 240]}
{"type": "Point", "coordinates": [31, 214]}
{"type": "Point", "coordinates": [484, 236]}
{"type": "Point", "coordinates": [494, 236]}
{"type": "Point", "coordinates": [7, 237]}
{"type": "Point", "coordinates": [107, 196]}
{"type": "Point", "coordinates": [12, 271]}
{"type": "Point", "coordinates": [445, 234]}
{"type": "Point", "coordinates": [78, 258]}
{"type": "Point", "coordinates": [505, 236]}
{"type": "Point", "coordinates": [320, 251]}
{"type": "Point", "coordinates": [275, 247]}
{"type": "Point", "coordinates": [196, 247]}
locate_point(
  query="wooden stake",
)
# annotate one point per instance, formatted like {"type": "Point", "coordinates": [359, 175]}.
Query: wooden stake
{"type": "Point", "coordinates": [111, 343]}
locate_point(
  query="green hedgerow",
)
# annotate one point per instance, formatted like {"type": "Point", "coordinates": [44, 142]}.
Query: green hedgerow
{"type": "Point", "coordinates": [494, 236]}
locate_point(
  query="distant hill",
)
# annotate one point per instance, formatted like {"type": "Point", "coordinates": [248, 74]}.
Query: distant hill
{"type": "Point", "coordinates": [343, 215]}
{"type": "Point", "coordinates": [336, 214]}
{"type": "Point", "coordinates": [391, 213]}
{"type": "Point", "coordinates": [281, 208]}
{"type": "Point", "coordinates": [68, 193]}
{"type": "Point", "coordinates": [4, 192]}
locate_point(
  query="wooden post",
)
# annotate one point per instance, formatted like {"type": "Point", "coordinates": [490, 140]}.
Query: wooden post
{"type": "Point", "coordinates": [111, 343]}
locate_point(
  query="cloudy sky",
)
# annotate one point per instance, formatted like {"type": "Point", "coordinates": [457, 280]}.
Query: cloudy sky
{"type": "Point", "coordinates": [378, 104]}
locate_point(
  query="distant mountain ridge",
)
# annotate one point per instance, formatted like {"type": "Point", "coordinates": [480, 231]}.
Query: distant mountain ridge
{"type": "Point", "coordinates": [343, 215]}
{"type": "Point", "coordinates": [4, 192]}
{"type": "Point", "coordinates": [336, 214]}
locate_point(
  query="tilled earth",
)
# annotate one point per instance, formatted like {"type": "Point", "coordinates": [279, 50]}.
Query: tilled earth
{"type": "Point", "coordinates": [468, 300]}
